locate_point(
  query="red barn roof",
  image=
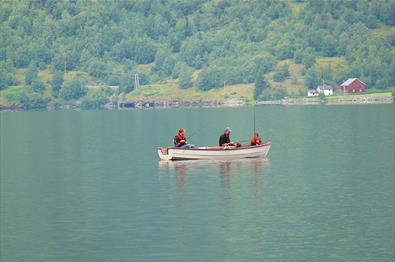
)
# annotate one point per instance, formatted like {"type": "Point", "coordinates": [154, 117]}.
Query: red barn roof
{"type": "Point", "coordinates": [350, 81]}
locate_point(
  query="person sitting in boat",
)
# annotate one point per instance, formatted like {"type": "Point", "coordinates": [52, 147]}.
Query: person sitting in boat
{"type": "Point", "coordinates": [180, 140]}
{"type": "Point", "coordinates": [255, 139]}
{"type": "Point", "coordinates": [224, 139]}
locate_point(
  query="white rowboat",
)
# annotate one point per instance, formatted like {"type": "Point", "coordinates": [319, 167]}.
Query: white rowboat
{"type": "Point", "coordinates": [227, 152]}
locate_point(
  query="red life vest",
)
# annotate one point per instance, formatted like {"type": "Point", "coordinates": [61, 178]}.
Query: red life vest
{"type": "Point", "coordinates": [256, 140]}
{"type": "Point", "coordinates": [180, 137]}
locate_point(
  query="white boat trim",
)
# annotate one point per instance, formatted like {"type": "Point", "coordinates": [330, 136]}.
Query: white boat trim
{"type": "Point", "coordinates": [228, 152]}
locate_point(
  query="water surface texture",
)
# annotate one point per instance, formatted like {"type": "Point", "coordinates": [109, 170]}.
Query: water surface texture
{"type": "Point", "coordinates": [88, 186]}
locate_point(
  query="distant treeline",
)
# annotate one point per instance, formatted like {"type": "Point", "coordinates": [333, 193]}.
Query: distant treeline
{"type": "Point", "coordinates": [200, 42]}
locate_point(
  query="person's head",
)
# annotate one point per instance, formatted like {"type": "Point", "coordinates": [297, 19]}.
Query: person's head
{"type": "Point", "coordinates": [256, 134]}
{"type": "Point", "coordinates": [227, 131]}
{"type": "Point", "coordinates": [181, 131]}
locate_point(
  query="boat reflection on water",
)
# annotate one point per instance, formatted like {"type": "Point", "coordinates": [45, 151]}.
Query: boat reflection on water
{"type": "Point", "coordinates": [227, 180]}
{"type": "Point", "coordinates": [226, 168]}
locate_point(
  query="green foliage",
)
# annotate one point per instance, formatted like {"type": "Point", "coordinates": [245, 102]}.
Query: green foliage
{"type": "Point", "coordinates": [56, 82]}
{"type": "Point", "coordinates": [260, 84]}
{"type": "Point", "coordinates": [96, 99]}
{"type": "Point", "coordinates": [312, 78]}
{"type": "Point", "coordinates": [38, 86]}
{"type": "Point", "coordinates": [282, 73]}
{"type": "Point", "coordinates": [107, 39]}
{"type": "Point", "coordinates": [210, 78]}
{"type": "Point", "coordinates": [141, 50]}
{"type": "Point", "coordinates": [28, 99]}
{"type": "Point", "coordinates": [186, 79]}
{"type": "Point", "coordinates": [31, 74]}
{"type": "Point", "coordinates": [195, 52]}
{"type": "Point", "coordinates": [265, 63]}
{"type": "Point", "coordinates": [34, 101]}
{"type": "Point", "coordinates": [98, 69]}
{"type": "Point", "coordinates": [7, 73]}
{"type": "Point", "coordinates": [73, 89]}
{"type": "Point", "coordinates": [164, 63]}
{"type": "Point", "coordinates": [308, 58]}
{"type": "Point", "coordinates": [273, 94]}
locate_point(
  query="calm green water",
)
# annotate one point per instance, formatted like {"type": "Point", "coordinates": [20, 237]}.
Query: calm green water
{"type": "Point", "coordinates": [88, 186]}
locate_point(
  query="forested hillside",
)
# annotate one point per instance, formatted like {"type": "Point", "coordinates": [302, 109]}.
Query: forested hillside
{"type": "Point", "coordinates": [51, 50]}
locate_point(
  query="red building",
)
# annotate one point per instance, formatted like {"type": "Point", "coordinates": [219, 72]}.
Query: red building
{"type": "Point", "coordinates": [353, 85]}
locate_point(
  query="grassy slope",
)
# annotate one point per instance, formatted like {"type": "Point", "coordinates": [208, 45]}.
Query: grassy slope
{"type": "Point", "coordinates": [170, 90]}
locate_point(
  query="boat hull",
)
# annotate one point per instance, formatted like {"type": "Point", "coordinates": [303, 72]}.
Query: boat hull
{"type": "Point", "coordinates": [173, 153]}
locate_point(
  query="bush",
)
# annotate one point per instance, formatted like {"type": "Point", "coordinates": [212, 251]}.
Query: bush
{"type": "Point", "coordinates": [28, 99]}
{"type": "Point", "coordinates": [96, 99]}
{"type": "Point", "coordinates": [31, 74]}
{"type": "Point", "coordinates": [273, 94]}
{"type": "Point", "coordinates": [38, 86]}
{"type": "Point", "coordinates": [73, 89]}
{"type": "Point", "coordinates": [260, 84]}
{"type": "Point", "coordinates": [34, 101]}
{"type": "Point", "coordinates": [312, 78]}
{"type": "Point", "coordinates": [7, 75]}
{"type": "Point", "coordinates": [186, 79]}
{"type": "Point", "coordinates": [56, 82]}
{"type": "Point", "coordinates": [210, 78]}
{"type": "Point", "coordinates": [6, 80]}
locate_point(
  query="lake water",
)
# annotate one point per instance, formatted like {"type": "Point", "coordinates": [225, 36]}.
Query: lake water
{"type": "Point", "coordinates": [88, 186]}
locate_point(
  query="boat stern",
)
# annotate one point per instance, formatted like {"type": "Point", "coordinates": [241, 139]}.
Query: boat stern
{"type": "Point", "coordinates": [163, 153]}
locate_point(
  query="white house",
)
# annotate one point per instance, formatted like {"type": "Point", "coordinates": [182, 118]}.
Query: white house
{"type": "Point", "coordinates": [326, 89]}
{"type": "Point", "coordinates": [312, 92]}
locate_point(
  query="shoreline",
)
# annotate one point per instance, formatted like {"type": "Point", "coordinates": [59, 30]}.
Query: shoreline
{"type": "Point", "coordinates": [166, 104]}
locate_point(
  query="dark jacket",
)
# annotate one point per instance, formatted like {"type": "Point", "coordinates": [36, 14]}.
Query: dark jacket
{"type": "Point", "coordinates": [223, 139]}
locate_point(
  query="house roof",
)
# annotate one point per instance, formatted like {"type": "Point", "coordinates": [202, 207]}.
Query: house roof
{"type": "Point", "coordinates": [312, 90]}
{"type": "Point", "coordinates": [350, 80]}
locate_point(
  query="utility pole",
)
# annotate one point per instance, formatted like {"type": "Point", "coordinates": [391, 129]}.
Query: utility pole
{"type": "Point", "coordinates": [136, 81]}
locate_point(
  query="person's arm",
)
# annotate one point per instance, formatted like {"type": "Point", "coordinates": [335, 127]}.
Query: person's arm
{"type": "Point", "coordinates": [222, 141]}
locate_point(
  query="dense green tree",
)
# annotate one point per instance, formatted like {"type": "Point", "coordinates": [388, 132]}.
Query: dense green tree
{"type": "Point", "coordinates": [164, 62]}
{"type": "Point", "coordinates": [98, 69]}
{"type": "Point", "coordinates": [7, 75]}
{"type": "Point", "coordinates": [265, 63]}
{"type": "Point", "coordinates": [94, 100]}
{"type": "Point", "coordinates": [31, 74]}
{"type": "Point", "coordinates": [57, 82]}
{"type": "Point", "coordinates": [308, 58]}
{"type": "Point", "coordinates": [312, 78]}
{"type": "Point", "coordinates": [73, 89]}
{"type": "Point", "coordinates": [38, 86]}
{"type": "Point", "coordinates": [34, 101]}
{"type": "Point", "coordinates": [210, 77]}
{"type": "Point", "coordinates": [260, 84]}
{"type": "Point", "coordinates": [28, 99]}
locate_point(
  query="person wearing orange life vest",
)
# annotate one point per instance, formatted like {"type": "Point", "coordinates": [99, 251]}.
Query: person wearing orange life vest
{"type": "Point", "coordinates": [180, 140]}
{"type": "Point", "coordinates": [255, 139]}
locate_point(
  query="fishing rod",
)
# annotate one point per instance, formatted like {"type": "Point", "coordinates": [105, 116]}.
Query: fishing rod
{"type": "Point", "coordinates": [253, 109]}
